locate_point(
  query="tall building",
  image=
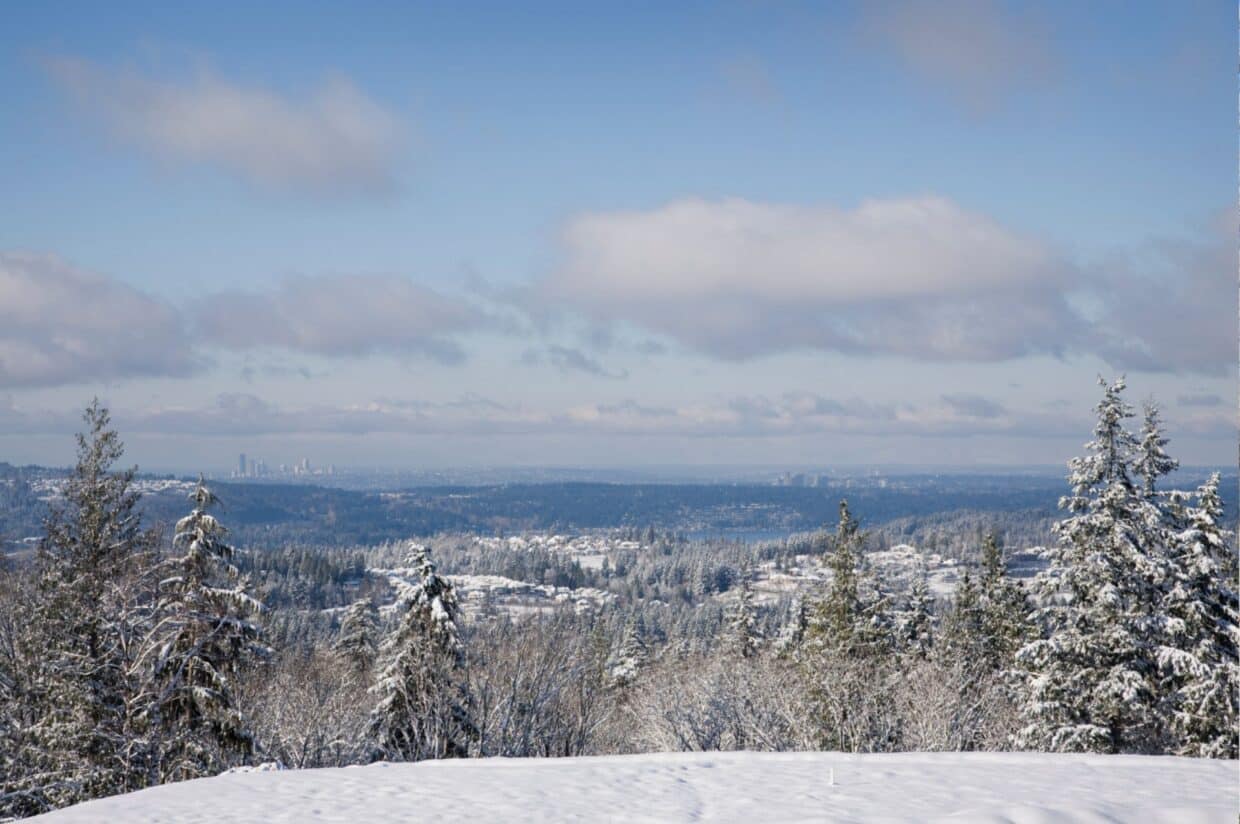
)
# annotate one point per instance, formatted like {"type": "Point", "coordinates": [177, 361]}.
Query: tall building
{"type": "Point", "coordinates": [241, 466]}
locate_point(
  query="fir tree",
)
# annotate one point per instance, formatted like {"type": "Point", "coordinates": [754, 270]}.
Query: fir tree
{"type": "Point", "coordinates": [81, 639]}
{"type": "Point", "coordinates": [423, 706]}
{"type": "Point", "coordinates": [1201, 673]}
{"type": "Point", "coordinates": [203, 638]}
{"type": "Point", "coordinates": [1092, 682]}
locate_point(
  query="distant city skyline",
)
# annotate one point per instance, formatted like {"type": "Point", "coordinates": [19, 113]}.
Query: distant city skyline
{"type": "Point", "coordinates": [557, 234]}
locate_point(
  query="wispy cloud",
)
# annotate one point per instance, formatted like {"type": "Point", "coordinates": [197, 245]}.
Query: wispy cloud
{"type": "Point", "coordinates": [340, 316]}
{"type": "Point", "coordinates": [334, 140]}
{"type": "Point", "coordinates": [1204, 399]}
{"type": "Point", "coordinates": [1169, 305]}
{"type": "Point", "coordinates": [974, 406]}
{"type": "Point", "coordinates": [981, 52]}
{"type": "Point", "coordinates": [567, 359]}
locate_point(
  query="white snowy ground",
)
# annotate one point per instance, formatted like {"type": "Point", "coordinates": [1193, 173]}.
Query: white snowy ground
{"type": "Point", "coordinates": [745, 787]}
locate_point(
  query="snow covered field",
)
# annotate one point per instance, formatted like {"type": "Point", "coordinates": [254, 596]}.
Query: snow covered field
{"type": "Point", "coordinates": [1020, 788]}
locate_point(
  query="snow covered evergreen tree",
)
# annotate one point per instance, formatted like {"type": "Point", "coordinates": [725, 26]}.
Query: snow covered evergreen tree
{"type": "Point", "coordinates": [744, 634]}
{"type": "Point", "coordinates": [852, 681]}
{"type": "Point", "coordinates": [1003, 621]}
{"type": "Point", "coordinates": [626, 662]}
{"type": "Point", "coordinates": [1151, 461]}
{"type": "Point", "coordinates": [423, 708]}
{"type": "Point", "coordinates": [1201, 672]}
{"type": "Point", "coordinates": [203, 637]}
{"type": "Point", "coordinates": [838, 620]}
{"type": "Point", "coordinates": [1092, 681]}
{"type": "Point", "coordinates": [962, 626]}
{"type": "Point", "coordinates": [80, 642]}
{"type": "Point", "coordinates": [792, 632]}
{"type": "Point", "coordinates": [915, 623]}
{"type": "Point", "coordinates": [357, 645]}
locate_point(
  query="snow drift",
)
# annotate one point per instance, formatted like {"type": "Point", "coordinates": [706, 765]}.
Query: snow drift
{"type": "Point", "coordinates": [1022, 788]}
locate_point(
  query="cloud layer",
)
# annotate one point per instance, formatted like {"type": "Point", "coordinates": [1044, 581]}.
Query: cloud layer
{"type": "Point", "coordinates": [337, 139]}
{"type": "Point", "coordinates": [63, 325]}
{"type": "Point", "coordinates": [919, 278]}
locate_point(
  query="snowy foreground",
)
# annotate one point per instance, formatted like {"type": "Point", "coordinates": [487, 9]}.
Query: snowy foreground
{"type": "Point", "coordinates": [978, 787]}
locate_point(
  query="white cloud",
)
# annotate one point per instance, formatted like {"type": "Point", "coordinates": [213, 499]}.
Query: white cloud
{"type": "Point", "coordinates": [337, 139]}
{"type": "Point", "coordinates": [60, 324]}
{"type": "Point", "coordinates": [919, 277]}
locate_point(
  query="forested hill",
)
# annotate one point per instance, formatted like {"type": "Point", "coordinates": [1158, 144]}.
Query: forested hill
{"type": "Point", "coordinates": [275, 513]}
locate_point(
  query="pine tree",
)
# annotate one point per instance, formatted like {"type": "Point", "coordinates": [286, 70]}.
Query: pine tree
{"type": "Point", "coordinates": [81, 638]}
{"type": "Point", "coordinates": [1092, 681]}
{"type": "Point", "coordinates": [357, 644]}
{"type": "Point", "coordinates": [203, 638]}
{"type": "Point", "coordinates": [1201, 674]}
{"type": "Point", "coordinates": [423, 706]}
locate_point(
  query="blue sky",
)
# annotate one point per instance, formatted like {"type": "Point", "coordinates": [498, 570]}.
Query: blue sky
{"type": "Point", "coordinates": [613, 235]}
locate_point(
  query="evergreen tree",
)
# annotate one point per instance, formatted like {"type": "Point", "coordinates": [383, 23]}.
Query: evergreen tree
{"type": "Point", "coordinates": [852, 683]}
{"type": "Point", "coordinates": [357, 644]}
{"type": "Point", "coordinates": [81, 638]}
{"type": "Point", "coordinates": [423, 706]}
{"type": "Point", "coordinates": [1152, 461]}
{"type": "Point", "coordinates": [625, 664]}
{"type": "Point", "coordinates": [962, 627]}
{"type": "Point", "coordinates": [792, 633]}
{"type": "Point", "coordinates": [203, 637]}
{"type": "Point", "coordinates": [915, 625]}
{"type": "Point", "coordinates": [743, 624]}
{"type": "Point", "coordinates": [1201, 673]}
{"type": "Point", "coordinates": [838, 617]}
{"type": "Point", "coordinates": [1092, 682]}
{"type": "Point", "coordinates": [1003, 611]}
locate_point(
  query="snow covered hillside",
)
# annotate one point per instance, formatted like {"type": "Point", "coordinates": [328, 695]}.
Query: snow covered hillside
{"type": "Point", "coordinates": [973, 787]}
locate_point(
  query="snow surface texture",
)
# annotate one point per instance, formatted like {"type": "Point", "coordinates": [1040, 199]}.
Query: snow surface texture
{"type": "Point", "coordinates": [1019, 788]}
